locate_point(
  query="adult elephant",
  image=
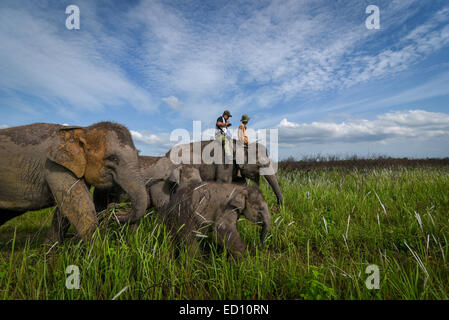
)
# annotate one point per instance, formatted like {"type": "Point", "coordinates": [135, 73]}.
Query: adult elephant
{"type": "Point", "coordinates": [253, 161]}
{"type": "Point", "coordinates": [46, 164]}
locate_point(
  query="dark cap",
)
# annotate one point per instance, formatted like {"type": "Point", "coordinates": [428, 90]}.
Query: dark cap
{"type": "Point", "coordinates": [245, 118]}
{"type": "Point", "coordinates": [227, 113]}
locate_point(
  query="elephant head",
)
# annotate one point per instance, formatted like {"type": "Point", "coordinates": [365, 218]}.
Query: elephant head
{"type": "Point", "coordinates": [103, 155]}
{"type": "Point", "coordinates": [251, 203]}
{"type": "Point", "coordinates": [254, 161]}
{"type": "Point", "coordinates": [183, 175]}
{"type": "Point", "coordinates": [162, 177]}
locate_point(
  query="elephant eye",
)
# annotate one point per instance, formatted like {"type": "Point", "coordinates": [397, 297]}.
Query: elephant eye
{"type": "Point", "coordinates": [113, 159]}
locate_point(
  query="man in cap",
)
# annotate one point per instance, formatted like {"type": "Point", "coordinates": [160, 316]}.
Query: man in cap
{"type": "Point", "coordinates": [222, 134]}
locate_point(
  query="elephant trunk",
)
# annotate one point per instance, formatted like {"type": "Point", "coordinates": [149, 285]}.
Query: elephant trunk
{"type": "Point", "coordinates": [134, 186]}
{"type": "Point", "coordinates": [272, 180]}
{"type": "Point", "coordinates": [265, 226]}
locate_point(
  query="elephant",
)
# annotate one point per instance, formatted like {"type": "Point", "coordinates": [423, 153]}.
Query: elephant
{"type": "Point", "coordinates": [161, 177]}
{"type": "Point", "coordinates": [212, 209]}
{"type": "Point", "coordinates": [196, 153]}
{"type": "Point", "coordinates": [103, 197]}
{"type": "Point", "coordinates": [164, 177]}
{"type": "Point", "coordinates": [42, 165]}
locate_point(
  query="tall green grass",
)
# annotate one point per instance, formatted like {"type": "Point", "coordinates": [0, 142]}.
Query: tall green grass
{"type": "Point", "coordinates": [333, 225]}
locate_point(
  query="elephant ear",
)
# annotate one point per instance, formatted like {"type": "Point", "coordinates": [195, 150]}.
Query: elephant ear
{"type": "Point", "coordinates": [238, 201]}
{"type": "Point", "coordinates": [161, 170]}
{"type": "Point", "coordinates": [70, 152]}
{"type": "Point", "coordinates": [175, 175]}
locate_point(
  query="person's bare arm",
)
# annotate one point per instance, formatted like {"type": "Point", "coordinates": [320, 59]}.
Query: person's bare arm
{"type": "Point", "coordinates": [240, 133]}
{"type": "Point", "coordinates": [221, 124]}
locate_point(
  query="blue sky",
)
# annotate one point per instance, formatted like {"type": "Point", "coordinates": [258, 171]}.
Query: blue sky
{"type": "Point", "coordinates": [311, 69]}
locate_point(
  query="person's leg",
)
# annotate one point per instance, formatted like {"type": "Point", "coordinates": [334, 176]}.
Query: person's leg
{"type": "Point", "coordinates": [227, 149]}
{"type": "Point", "coordinates": [239, 174]}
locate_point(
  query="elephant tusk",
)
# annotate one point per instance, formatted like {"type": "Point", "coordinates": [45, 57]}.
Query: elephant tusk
{"type": "Point", "coordinates": [230, 196]}
{"type": "Point", "coordinates": [200, 186]}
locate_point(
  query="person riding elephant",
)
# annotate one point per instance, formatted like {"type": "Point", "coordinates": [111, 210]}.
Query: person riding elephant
{"type": "Point", "coordinates": [243, 138]}
{"type": "Point", "coordinates": [222, 133]}
{"type": "Point", "coordinates": [42, 165]}
{"type": "Point", "coordinates": [253, 161]}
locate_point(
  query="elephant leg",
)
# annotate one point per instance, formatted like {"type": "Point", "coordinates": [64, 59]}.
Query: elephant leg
{"type": "Point", "coordinates": [257, 180]}
{"type": "Point", "coordinates": [193, 250]}
{"type": "Point", "coordinates": [59, 227]}
{"type": "Point", "coordinates": [73, 199]}
{"type": "Point", "coordinates": [228, 236]}
{"type": "Point", "coordinates": [101, 200]}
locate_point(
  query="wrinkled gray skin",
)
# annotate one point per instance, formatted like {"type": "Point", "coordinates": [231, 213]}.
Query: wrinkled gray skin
{"type": "Point", "coordinates": [228, 172]}
{"type": "Point", "coordinates": [164, 178]}
{"type": "Point", "coordinates": [213, 209]}
{"type": "Point", "coordinates": [104, 197]}
{"type": "Point", "coordinates": [161, 178]}
{"type": "Point", "coordinates": [46, 164]}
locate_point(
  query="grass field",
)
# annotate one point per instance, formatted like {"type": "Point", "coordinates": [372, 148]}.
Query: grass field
{"type": "Point", "coordinates": [335, 223]}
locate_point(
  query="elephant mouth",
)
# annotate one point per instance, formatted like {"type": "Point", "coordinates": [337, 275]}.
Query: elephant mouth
{"type": "Point", "coordinates": [104, 184]}
{"type": "Point", "coordinates": [105, 180]}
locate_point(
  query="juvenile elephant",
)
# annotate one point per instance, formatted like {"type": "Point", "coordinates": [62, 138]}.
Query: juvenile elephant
{"type": "Point", "coordinates": [46, 164]}
{"type": "Point", "coordinates": [164, 177]}
{"type": "Point", "coordinates": [252, 161]}
{"type": "Point", "coordinates": [103, 197]}
{"type": "Point", "coordinates": [161, 178]}
{"type": "Point", "coordinates": [213, 209]}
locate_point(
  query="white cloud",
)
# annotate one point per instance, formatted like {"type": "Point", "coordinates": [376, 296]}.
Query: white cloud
{"type": "Point", "coordinates": [62, 69]}
{"type": "Point", "coordinates": [412, 124]}
{"type": "Point", "coordinates": [417, 119]}
{"type": "Point", "coordinates": [287, 124]}
{"type": "Point", "coordinates": [3, 126]}
{"type": "Point", "coordinates": [152, 144]}
{"type": "Point", "coordinates": [172, 101]}
{"type": "Point", "coordinates": [145, 139]}
{"type": "Point", "coordinates": [422, 41]}
{"type": "Point", "coordinates": [281, 49]}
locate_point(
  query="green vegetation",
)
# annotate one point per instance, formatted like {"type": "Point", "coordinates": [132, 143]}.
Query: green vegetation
{"type": "Point", "coordinates": [334, 224]}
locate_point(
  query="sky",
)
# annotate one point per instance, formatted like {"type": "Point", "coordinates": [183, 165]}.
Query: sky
{"type": "Point", "coordinates": [310, 69]}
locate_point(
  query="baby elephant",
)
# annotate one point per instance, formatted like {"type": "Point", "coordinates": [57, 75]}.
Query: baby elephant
{"type": "Point", "coordinates": [211, 208]}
